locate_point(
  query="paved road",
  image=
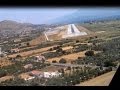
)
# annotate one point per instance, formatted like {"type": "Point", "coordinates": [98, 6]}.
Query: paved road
{"type": "Point", "coordinates": [73, 65]}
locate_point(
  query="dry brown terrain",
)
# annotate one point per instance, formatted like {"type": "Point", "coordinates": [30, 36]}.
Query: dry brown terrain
{"type": "Point", "coordinates": [103, 80]}
{"type": "Point", "coordinates": [35, 52]}
{"type": "Point", "coordinates": [32, 52]}
{"type": "Point", "coordinates": [24, 76]}
{"type": "Point", "coordinates": [70, 57]}
{"type": "Point", "coordinates": [5, 78]}
{"type": "Point", "coordinates": [38, 40]}
{"type": "Point", "coordinates": [26, 48]}
{"type": "Point", "coordinates": [5, 62]}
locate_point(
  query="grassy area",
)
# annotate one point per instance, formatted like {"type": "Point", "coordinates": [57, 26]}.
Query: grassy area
{"type": "Point", "coordinates": [111, 28]}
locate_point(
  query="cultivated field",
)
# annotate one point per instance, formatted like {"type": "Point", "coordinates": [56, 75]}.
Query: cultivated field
{"type": "Point", "coordinates": [32, 52]}
{"type": "Point", "coordinates": [70, 57]}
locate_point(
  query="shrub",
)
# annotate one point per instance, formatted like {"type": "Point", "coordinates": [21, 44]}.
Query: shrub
{"type": "Point", "coordinates": [108, 63]}
{"type": "Point", "coordinates": [68, 68]}
{"type": "Point", "coordinates": [77, 41]}
{"type": "Point", "coordinates": [79, 57]}
{"type": "Point", "coordinates": [63, 52]}
{"type": "Point", "coordinates": [50, 49]}
{"type": "Point", "coordinates": [2, 74]}
{"type": "Point", "coordinates": [96, 37]}
{"type": "Point", "coordinates": [89, 53]}
{"type": "Point", "coordinates": [18, 56]}
{"type": "Point", "coordinates": [59, 50]}
{"type": "Point", "coordinates": [10, 58]}
{"type": "Point", "coordinates": [28, 44]}
{"type": "Point", "coordinates": [54, 61]}
{"type": "Point", "coordinates": [62, 61]}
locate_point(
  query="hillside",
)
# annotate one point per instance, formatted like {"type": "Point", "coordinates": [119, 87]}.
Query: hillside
{"type": "Point", "coordinates": [9, 25]}
{"type": "Point", "coordinates": [13, 25]}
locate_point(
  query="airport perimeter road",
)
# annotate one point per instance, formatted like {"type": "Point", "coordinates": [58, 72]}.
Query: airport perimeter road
{"type": "Point", "coordinates": [73, 65]}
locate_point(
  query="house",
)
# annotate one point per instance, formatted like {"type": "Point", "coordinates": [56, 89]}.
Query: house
{"type": "Point", "coordinates": [36, 73]}
{"type": "Point", "coordinates": [39, 58]}
{"type": "Point", "coordinates": [28, 66]}
{"type": "Point", "coordinates": [14, 50]}
{"type": "Point", "coordinates": [17, 40]}
{"type": "Point", "coordinates": [41, 74]}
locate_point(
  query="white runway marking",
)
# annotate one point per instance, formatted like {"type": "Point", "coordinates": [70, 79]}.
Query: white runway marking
{"type": "Point", "coordinates": [72, 31]}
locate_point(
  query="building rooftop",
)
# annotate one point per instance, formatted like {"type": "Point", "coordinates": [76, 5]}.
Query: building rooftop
{"type": "Point", "coordinates": [36, 72]}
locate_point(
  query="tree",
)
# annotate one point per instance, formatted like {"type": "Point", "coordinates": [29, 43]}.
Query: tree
{"type": "Point", "coordinates": [28, 44]}
{"type": "Point", "coordinates": [10, 58]}
{"type": "Point", "coordinates": [63, 52]}
{"type": "Point", "coordinates": [108, 63]}
{"type": "Point", "coordinates": [69, 68]}
{"type": "Point", "coordinates": [19, 44]}
{"type": "Point", "coordinates": [77, 41]}
{"type": "Point", "coordinates": [59, 50]}
{"type": "Point", "coordinates": [62, 60]}
{"type": "Point", "coordinates": [50, 49]}
{"type": "Point", "coordinates": [89, 53]}
{"type": "Point", "coordinates": [96, 37]}
{"type": "Point", "coordinates": [2, 73]}
{"type": "Point", "coordinates": [94, 43]}
{"type": "Point", "coordinates": [79, 57]}
{"type": "Point", "coordinates": [54, 61]}
{"type": "Point", "coordinates": [18, 56]}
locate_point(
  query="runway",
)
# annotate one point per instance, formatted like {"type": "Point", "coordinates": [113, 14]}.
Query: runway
{"type": "Point", "coordinates": [73, 31]}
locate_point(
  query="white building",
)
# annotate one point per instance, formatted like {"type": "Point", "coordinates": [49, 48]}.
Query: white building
{"type": "Point", "coordinates": [14, 50]}
{"type": "Point", "coordinates": [51, 74]}
{"type": "Point", "coordinates": [39, 58]}
{"type": "Point", "coordinates": [42, 74]}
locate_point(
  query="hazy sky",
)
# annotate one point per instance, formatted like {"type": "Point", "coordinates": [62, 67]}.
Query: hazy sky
{"type": "Point", "coordinates": [39, 15]}
{"type": "Point", "coordinates": [33, 15]}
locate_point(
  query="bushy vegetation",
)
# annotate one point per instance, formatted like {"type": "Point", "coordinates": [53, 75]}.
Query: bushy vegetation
{"type": "Point", "coordinates": [76, 77]}
{"type": "Point", "coordinates": [110, 53]}
{"type": "Point", "coordinates": [89, 53]}
{"type": "Point", "coordinates": [54, 61]}
{"type": "Point", "coordinates": [81, 47]}
{"type": "Point", "coordinates": [60, 52]}
{"type": "Point", "coordinates": [62, 60]}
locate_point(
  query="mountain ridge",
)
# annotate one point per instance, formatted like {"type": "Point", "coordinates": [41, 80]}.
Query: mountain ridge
{"type": "Point", "coordinates": [86, 16]}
